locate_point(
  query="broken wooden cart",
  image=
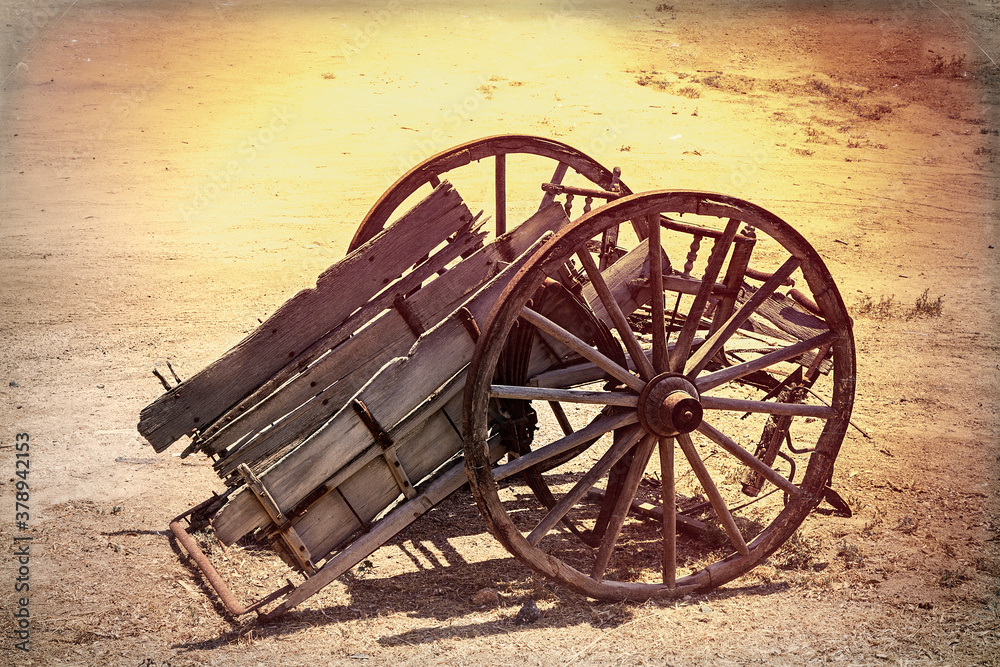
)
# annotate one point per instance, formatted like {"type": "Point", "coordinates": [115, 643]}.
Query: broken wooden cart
{"type": "Point", "coordinates": [555, 356]}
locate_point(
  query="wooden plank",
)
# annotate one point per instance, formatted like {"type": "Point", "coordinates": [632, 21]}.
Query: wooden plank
{"type": "Point", "coordinates": [787, 315]}
{"type": "Point", "coordinates": [308, 400]}
{"type": "Point", "coordinates": [398, 388]}
{"type": "Point", "coordinates": [465, 243]}
{"type": "Point", "coordinates": [338, 515]}
{"type": "Point", "coordinates": [303, 319]}
{"type": "Point", "coordinates": [791, 322]}
{"type": "Point", "coordinates": [329, 522]}
{"type": "Point", "coordinates": [290, 415]}
{"type": "Point", "coordinates": [405, 434]}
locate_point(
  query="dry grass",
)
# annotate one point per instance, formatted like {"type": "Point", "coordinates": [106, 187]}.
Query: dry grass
{"type": "Point", "coordinates": [887, 308]}
{"type": "Point", "coordinates": [925, 307]}
{"type": "Point", "coordinates": [689, 92]}
{"type": "Point", "coordinates": [883, 309]}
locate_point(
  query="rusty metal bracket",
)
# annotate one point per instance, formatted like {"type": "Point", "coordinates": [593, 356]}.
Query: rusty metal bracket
{"type": "Point", "coordinates": [411, 319]}
{"type": "Point", "coordinates": [469, 321]}
{"type": "Point", "coordinates": [388, 450]}
{"type": "Point", "coordinates": [297, 548]}
{"type": "Point", "coordinates": [368, 419]}
{"type": "Point", "coordinates": [215, 580]}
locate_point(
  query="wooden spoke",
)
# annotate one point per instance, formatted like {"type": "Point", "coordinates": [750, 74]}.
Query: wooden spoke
{"type": "Point", "coordinates": [748, 459]}
{"type": "Point", "coordinates": [769, 407]}
{"type": "Point", "coordinates": [721, 377]}
{"type": "Point", "coordinates": [661, 356]}
{"type": "Point", "coordinates": [582, 348]}
{"type": "Point", "coordinates": [668, 496]}
{"type": "Point", "coordinates": [715, 261]}
{"type": "Point", "coordinates": [591, 431]}
{"type": "Point", "coordinates": [710, 347]}
{"type": "Point", "coordinates": [560, 415]}
{"type": "Point", "coordinates": [500, 178]}
{"type": "Point", "coordinates": [622, 505]}
{"type": "Point", "coordinates": [714, 497]}
{"type": "Point", "coordinates": [624, 441]}
{"type": "Point", "coordinates": [617, 316]}
{"type": "Point", "coordinates": [519, 392]}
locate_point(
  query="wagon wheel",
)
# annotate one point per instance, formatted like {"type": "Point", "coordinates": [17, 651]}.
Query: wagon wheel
{"type": "Point", "coordinates": [512, 183]}
{"type": "Point", "coordinates": [717, 391]}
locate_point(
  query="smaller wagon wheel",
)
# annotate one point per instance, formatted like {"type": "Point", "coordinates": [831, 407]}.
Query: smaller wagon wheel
{"type": "Point", "coordinates": [744, 392]}
{"type": "Point", "coordinates": [507, 182]}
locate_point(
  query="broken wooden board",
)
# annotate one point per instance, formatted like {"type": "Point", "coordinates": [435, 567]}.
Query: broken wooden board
{"type": "Point", "coordinates": [401, 386]}
{"type": "Point", "coordinates": [792, 323]}
{"type": "Point", "coordinates": [463, 244]}
{"type": "Point", "coordinates": [303, 319]}
{"type": "Point", "coordinates": [285, 418]}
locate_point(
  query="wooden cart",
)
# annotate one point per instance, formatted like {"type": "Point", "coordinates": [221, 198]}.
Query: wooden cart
{"type": "Point", "coordinates": [556, 356]}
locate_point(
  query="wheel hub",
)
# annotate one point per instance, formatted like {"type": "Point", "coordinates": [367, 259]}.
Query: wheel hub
{"type": "Point", "coordinates": [669, 405]}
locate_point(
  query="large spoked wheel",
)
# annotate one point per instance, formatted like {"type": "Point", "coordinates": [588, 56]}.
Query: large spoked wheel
{"type": "Point", "coordinates": [740, 386]}
{"type": "Point", "coordinates": [504, 174]}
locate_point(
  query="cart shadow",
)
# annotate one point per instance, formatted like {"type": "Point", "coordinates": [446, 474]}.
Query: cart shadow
{"type": "Point", "coordinates": [560, 609]}
{"type": "Point", "coordinates": [439, 586]}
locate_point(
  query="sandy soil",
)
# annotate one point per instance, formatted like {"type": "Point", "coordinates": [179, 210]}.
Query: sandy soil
{"type": "Point", "coordinates": [173, 171]}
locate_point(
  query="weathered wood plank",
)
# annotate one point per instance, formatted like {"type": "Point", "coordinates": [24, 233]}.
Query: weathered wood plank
{"type": "Point", "coordinates": [298, 409]}
{"type": "Point", "coordinates": [791, 322]}
{"type": "Point", "coordinates": [787, 315]}
{"type": "Point", "coordinates": [308, 400]}
{"type": "Point", "coordinates": [329, 521]}
{"type": "Point", "coordinates": [465, 243]}
{"type": "Point", "coordinates": [303, 319]}
{"type": "Point", "coordinates": [419, 427]}
{"type": "Point", "coordinates": [398, 388]}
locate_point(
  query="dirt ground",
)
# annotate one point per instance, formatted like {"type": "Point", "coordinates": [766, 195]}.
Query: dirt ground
{"type": "Point", "coordinates": [173, 171]}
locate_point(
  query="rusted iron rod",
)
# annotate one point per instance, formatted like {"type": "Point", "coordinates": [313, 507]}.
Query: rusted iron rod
{"type": "Point", "coordinates": [233, 606]}
{"type": "Point", "coordinates": [557, 189]}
